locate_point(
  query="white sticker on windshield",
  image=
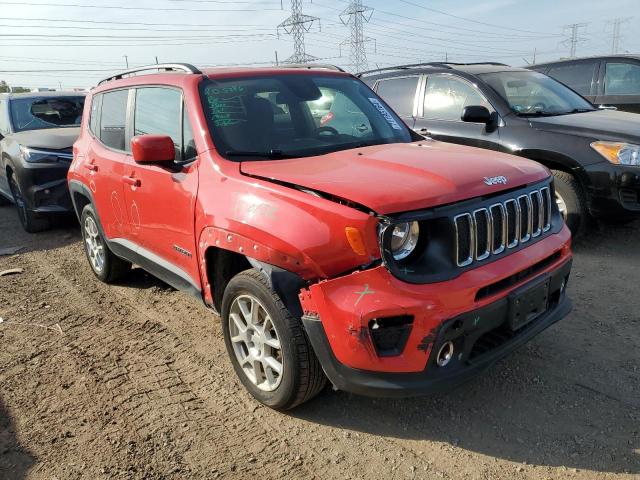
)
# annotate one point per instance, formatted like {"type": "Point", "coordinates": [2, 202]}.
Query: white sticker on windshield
{"type": "Point", "coordinates": [385, 113]}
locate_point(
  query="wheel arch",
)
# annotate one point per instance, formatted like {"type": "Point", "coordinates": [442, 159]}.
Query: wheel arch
{"type": "Point", "coordinates": [557, 161]}
{"type": "Point", "coordinates": [222, 265]}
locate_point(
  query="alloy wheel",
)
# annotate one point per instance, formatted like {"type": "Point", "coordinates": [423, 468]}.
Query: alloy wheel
{"type": "Point", "coordinates": [94, 245]}
{"type": "Point", "coordinates": [255, 342]}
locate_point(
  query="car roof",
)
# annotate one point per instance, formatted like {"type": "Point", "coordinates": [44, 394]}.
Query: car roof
{"type": "Point", "coordinates": [174, 71]}
{"type": "Point", "coordinates": [44, 94]}
{"type": "Point", "coordinates": [593, 57]}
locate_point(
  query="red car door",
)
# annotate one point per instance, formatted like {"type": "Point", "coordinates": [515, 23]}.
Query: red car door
{"type": "Point", "coordinates": [105, 160]}
{"type": "Point", "coordinates": [160, 199]}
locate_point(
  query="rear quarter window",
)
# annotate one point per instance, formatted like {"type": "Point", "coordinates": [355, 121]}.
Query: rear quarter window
{"type": "Point", "coordinates": [113, 119]}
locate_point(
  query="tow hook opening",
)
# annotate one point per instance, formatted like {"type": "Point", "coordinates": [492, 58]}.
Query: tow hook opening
{"type": "Point", "coordinates": [445, 354]}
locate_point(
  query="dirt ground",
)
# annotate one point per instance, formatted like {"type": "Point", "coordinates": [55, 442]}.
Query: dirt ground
{"type": "Point", "coordinates": [132, 381]}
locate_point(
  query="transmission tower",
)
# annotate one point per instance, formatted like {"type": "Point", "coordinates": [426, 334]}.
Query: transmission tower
{"type": "Point", "coordinates": [616, 36]}
{"type": "Point", "coordinates": [356, 15]}
{"type": "Point", "coordinates": [574, 37]}
{"type": "Point", "coordinates": [297, 25]}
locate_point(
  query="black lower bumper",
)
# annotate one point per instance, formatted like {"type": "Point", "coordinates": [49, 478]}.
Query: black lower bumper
{"type": "Point", "coordinates": [481, 337]}
{"type": "Point", "coordinates": [44, 187]}
{"type": "Point", "coordinates": [614, 191]}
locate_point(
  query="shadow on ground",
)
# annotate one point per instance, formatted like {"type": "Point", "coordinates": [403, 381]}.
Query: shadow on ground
{"type": "Point", "coordinates": [15, 461]}
{"type": "Point", "coordinates": [65, 230]}
{"type": "Point", "coordinates": [568, 398]}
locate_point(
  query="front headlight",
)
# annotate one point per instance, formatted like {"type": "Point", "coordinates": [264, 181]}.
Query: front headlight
{"type": "Point", "coordinates": [33, 155]}
{"type": "Point", "coordinates": [619, 153]}
{"type": "Point", "coordinates": [404, 239]}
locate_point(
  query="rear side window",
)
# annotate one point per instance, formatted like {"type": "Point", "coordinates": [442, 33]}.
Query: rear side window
{"type": "Point", "coordinates": [622, 79]}
{"type": "Point", "coordinates": [158, 111]}
{"type": "Point", "coordinates": [93, 115]}
{"type": "Point", "coordinates": [4, 125]}
{"type": "Point", "coordinates": [399, 93]}
{"type": "Point", "coordinates": [578, 76]}
{"type": "Point", "coordinates": [113, 119]}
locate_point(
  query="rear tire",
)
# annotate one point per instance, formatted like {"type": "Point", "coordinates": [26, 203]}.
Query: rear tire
{"type": "Point", "coordinates": [263, 337]}
{"type": "Point", "coordinates": [104, 264]}
{"type": "Point", "coordinates": [31, 222]}
{"type": "Point", "coordinates": [571, 201]}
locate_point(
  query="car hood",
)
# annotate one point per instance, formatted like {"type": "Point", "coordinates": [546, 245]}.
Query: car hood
{"type": "Point", "coordinates": [601, 125]}
{"type": "Point", "coordinates": [53, 138]}
{"type": "Point", "coordinates": [401, 177]}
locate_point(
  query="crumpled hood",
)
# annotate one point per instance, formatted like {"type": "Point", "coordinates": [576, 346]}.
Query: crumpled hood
{"type": "Point", "coordinates": [401, 177]}
{"type": "Point", "coordinates": [53, 138]}
{"type": "Point", "coordinates": [599, 125]}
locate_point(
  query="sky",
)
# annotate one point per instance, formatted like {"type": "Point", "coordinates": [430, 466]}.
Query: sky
{"type": "Point", "coordinates": [74, 43]}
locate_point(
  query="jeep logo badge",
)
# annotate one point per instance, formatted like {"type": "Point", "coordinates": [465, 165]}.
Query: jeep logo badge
{"type": "Point", "coordinates": [495, 180]}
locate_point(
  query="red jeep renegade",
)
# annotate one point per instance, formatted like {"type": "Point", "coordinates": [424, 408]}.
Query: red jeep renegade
{"type": "Point", "coordinates": [335, 243]}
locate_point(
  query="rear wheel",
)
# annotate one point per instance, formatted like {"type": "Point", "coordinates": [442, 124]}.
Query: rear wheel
{"type": "Point", "coordinates": [30, 221]}
{"type": "Point", "coordinates": [105, 265]}
{"type": "Point", "coordinates": [268, 347]}
{"type": "Point", "coordinates": [571, 201]}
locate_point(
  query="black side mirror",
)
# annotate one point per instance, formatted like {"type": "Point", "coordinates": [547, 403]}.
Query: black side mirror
{"type": "Point", "coordinates": [476, 114]}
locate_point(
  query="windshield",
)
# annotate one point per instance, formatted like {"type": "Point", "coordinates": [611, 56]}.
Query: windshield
{"type": "Point", "coordinates": [296, 115]}
{"type": "Point", "coordinates": [532, 93]}
{"type": "Point", "coordinates": [35, 113]}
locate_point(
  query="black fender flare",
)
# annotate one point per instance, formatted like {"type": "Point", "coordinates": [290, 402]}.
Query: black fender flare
{"type": "Point", "coordinates": [285, 283]}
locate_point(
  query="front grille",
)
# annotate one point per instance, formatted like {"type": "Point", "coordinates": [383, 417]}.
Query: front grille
{"type": "Point", "coordinates": [489, 231]}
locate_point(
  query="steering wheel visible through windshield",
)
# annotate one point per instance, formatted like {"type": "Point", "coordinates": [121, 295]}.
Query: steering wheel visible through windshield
{"type": "Point", "coordinates": [296, 115]}
{"type": "Point", "coordinates": [535, 94]}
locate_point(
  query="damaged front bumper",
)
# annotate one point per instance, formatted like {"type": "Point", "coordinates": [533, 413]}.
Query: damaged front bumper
{"type": "Point", "coordinates": [477, 314]}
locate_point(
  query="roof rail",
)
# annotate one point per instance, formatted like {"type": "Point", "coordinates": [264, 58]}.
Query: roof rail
{"type": "Point", "coordinates": [309, 66]}
{"type": "Point", "coordinates": [428, 64]}
{"type": "Point", "coordinates": [167, 67]}
{"type": "Point", "coordinates": [405, 67]}
{"type": "Point", "coordinates": [480, 63]}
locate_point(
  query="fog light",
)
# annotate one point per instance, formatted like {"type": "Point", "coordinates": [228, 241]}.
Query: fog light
{"type": "Point", "coordinates": [390, 334]}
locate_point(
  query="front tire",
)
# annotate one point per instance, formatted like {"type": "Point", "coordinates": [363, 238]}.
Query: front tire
{"type": "Point", "coordinates": [571, 201]}
{"type": "Point", "coordinates": [104, 264]}
{"type": "Point", "coordinates": [31, 222]}
{"type": "Point", "coordinates": [268, 347]}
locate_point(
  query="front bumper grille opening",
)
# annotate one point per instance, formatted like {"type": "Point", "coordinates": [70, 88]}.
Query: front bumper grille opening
{"type": "Point", "coordinates": [516, 278]}
{"type": "Point", "coordinates": [491, 340]}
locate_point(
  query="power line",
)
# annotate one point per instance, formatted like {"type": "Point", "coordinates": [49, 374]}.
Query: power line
{"type": "Point", "coordinates": [157, 9]}
{"type": "Point", "coordinates": [296, 26]}
{"type": "Point", "coordinates": [356, 15]}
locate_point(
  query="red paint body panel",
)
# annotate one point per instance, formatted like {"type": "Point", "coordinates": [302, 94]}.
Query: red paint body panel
{"type": "Point", "coordinates": [402, 177]}
{"type": "Point", "coordinates": [345, 311]}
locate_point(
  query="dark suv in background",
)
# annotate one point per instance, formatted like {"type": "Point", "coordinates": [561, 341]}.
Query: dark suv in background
{"type": "Point", "coordinates": [613, 80]}
{"type": "Point", "coordinates": [594, 154]}
{"type": "Point", "coordinates": [37, 131]}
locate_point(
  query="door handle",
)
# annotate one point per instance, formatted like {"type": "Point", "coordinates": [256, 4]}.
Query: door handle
{"type": "Point", "coordinates": [91, 166]}
{"type": "Point", "coordinates": [134, 182]}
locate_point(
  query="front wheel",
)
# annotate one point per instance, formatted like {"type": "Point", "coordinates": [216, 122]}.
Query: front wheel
{"type": "Point", "coordinates": [30, 221]}
{"type": "Point", "coordinates": [268, 347]}
{"type": "Point", "coordinates": [571, 201]}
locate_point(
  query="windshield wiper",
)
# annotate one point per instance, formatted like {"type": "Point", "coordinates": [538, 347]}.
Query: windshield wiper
{"type": "Point", "coordinates": [275, 154]}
